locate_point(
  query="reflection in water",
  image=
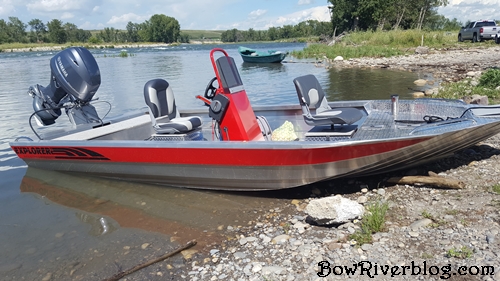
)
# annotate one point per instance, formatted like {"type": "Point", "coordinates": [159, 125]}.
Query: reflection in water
{"type": "Point", "coordinates": [271, 67]}
{"type": "Point", "coordinates": [183, 213]}
{"type": "Point", "coordinates": [367, 84]}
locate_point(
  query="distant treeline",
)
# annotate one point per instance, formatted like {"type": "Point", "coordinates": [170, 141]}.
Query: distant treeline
{"type": "Point", "coordinates": [161, 28]}
{"type": "Point", "coordinates": [304, 29]}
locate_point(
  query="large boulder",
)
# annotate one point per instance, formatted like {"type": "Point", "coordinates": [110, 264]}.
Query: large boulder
{"type": "Point", "coordinates": [333, 210]}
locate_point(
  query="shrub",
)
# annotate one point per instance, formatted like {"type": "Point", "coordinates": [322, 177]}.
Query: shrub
{"type": "Point", "coordinates": [373, 221]}
{"type": "Point", "coordinates": [490, 79]}
{"type": "Point", "coordinates": [462, 253]}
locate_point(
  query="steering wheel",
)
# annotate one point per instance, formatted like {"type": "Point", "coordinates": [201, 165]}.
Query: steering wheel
{"type": "Point", "coordinates": [211, 89]}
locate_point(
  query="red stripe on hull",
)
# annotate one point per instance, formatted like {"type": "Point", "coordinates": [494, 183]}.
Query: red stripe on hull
{"type": "Point", "coordinates": [217, 156]}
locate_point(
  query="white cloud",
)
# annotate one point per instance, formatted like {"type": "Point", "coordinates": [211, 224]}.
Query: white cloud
{"type": "Point", "coordinates": [126, 18]}
{"type": "Point", "coordinates": [6, 7]}
{"type": "Point", "coordinates": [467, 10]}
{"type": "Point", "coordinates": [257, 14]}
{"type": "Point", "coordinates": [67, 16]}
{"type": "Point", "coordinates": [304, 2]}
{"type": "Point", "coordinates": [55, 5]}
{"type": "Point", "coordinates": [320, 13]}
{"type": "Point", "coordinates": [95, 9]}
{"type": "Point", "coordinates": [86, 26]}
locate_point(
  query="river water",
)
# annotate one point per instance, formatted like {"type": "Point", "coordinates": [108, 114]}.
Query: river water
{"type": "Point", "coordinates": [65, 226]}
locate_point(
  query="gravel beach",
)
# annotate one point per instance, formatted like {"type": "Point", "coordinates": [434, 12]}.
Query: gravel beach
{"type": "Point", "coordinates": [429, 233]}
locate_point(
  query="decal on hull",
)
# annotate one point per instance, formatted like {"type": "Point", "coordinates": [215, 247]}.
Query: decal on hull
{"type": "Point", "coordinates": [60, 153]}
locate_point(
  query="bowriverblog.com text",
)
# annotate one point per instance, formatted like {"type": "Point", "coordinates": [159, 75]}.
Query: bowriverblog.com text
{"type": "Point", "coordinates": [373, 269]}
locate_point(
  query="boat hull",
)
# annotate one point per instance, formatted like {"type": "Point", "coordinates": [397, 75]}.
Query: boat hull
{"type": "Point", "coordinates": [122, 150]}
{"type": "Point", "coordinates": [254, 56]}
{"type": "Point", "coordinates": [276, 58]}
{"type": "Point", "coordinates": [259, 166]}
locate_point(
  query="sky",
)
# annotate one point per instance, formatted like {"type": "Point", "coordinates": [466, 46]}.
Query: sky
{"type": "Point", "coordinates": [205, 14]}
{"type": "Point", "coordinates": [191, 14]}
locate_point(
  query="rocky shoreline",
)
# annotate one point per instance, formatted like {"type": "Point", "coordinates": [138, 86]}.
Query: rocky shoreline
{"type": "Point", "coordinates": [429, 233]}
{"type": "Point", "coordinates": [449, 65]}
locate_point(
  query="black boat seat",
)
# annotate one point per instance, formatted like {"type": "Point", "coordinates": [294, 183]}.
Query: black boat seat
{"type": "Point", "coordinates": [161, 102]}
{"type": "Point", "coordinates": [311, 95]}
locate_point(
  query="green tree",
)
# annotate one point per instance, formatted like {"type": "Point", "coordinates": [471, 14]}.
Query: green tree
{"type": "Point", "coordinates": [109, 35]}
{"type": "Point", "coordinates": [163, 28]}
{"type": "Point", "coordinates": [344, 15]}
{"type": "Point", "coordinates": [38, 28]}
{"type": "Point", "coordinates": [57, 34]}
{"type": "Point", "coordinates": [4, 36]}
{"type": "Point", "coordinates": [272, 33]}
{"type": "Point", "coordinates": [232, 35]}
{"type": "Point", "coordinates": [16, 30]}
{"type": "Point", "coordinates": [184, 38]}
{"type": "Point", "coordinates": [71, 32]}
{"type": "Point", "coordinates": [132, 32]}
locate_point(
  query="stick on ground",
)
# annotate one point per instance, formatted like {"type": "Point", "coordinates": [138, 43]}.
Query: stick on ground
{"type": "Point", "coordinates": [434, 181]}
{"type": "Point", "coordinates": [148, 263]}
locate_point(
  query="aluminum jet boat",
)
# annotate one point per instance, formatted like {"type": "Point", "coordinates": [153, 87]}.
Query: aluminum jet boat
{"type": "Point", "coordinates": [232, 145]}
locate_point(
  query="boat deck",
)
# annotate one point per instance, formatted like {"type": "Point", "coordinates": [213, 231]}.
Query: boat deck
{"type": "Point", "coordinates": [378, 123]}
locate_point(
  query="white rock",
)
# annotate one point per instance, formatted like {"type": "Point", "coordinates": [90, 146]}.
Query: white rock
{"type": "Point", "coordinates": [418, 95]}
{"type": "Point", "coordinates": [338, 58]}
{"type": "Point", "coordinates": [273, 270]}
{"type": "Point", "coordinates": [420, 82]}
{"type": "Point", "coordinates": [413, 233]}
{"type": "Point", "coordinates": [266, 239]}
{"type": "Point", "coordinates": [336, 209]}
{"type": "Point", "coordinates": [257, 267]}
{"type": "Point", "coordinates": [300, 225]}
{"type": "Point", "coordinates": [362, 199]}
{"type": "Point", "coordinates": [280, 239]}
{"type": "Point", "coordinates": [431, 92]}
{"type": "Point", "coordinates": [420, 223]}
{"type": "Point", "coordinates": [251, 239]}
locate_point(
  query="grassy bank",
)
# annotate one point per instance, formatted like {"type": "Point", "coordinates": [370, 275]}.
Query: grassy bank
{"type": "Point", "coordinates": [384, 44]}
{"type": "Point", "coordinates": [487, 85]}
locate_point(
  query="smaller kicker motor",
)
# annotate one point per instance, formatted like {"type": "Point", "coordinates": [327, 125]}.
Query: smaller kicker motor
{"type": "Point", "coordinates": [74, 80]}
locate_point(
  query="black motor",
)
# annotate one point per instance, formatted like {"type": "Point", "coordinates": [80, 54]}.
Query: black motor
{"type": "Point", "coordinates": [74, 80]}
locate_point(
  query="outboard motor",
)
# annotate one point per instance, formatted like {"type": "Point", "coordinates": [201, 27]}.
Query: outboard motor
{"type": "Point", "coordinates": [74, 80]}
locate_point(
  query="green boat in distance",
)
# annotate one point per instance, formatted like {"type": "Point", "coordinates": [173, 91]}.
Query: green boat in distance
{"type": "Point", "coordinates": [254, 56]}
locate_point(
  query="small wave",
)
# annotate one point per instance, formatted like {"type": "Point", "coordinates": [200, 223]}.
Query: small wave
{"type": "Point", "coordinates": [9, 168]}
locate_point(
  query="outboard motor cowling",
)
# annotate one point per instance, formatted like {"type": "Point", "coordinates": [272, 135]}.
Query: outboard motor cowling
{"type": "Point", "coordinates": [74, 80]}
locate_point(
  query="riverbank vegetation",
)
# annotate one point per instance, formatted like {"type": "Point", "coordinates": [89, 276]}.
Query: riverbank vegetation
{"type": "Point", "coordinates": [487, 85]}
{"type": "Point", "coordinates": [381, 44]}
